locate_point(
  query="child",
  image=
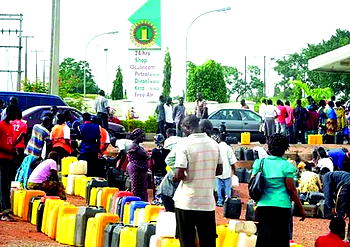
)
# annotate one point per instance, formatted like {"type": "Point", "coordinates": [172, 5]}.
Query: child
{"type": "Point", "coordinates": [158, 165]}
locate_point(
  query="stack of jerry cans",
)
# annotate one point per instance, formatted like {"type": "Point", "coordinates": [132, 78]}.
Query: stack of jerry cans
{"type": "Point", "coordinates": [30, 207]}
{"type": "Point", "coordinates": [95, 228]}
{"type": "Point", "coordinates": [83, 214]}
{"type": "Point", "coordinates": [144, 233]}
{"type": "Point", "coordinates": [115, 199]}
{"type": "Point", "coordinates": [108, 234]}
{"type": "Point", "coordinates": [124, 201]}
{"type": "Point", "coordinates": [133, 207]}
{"type": "Point", "coordinates": [107, 192]}
{"type": "Point", "coordinates": [128, 236]}
{"type": "Point", "coordinates": [50, 215]}
{"type": "Point", "coordinates": [245, 138]}
{"type": "Point", "coordinates": [95, 182]}
{"type": "Point", "coordinates": [66, 224]}
{"type": "Point", "coordinates": [221, 231]}
{"type": "Point", "coordinates": [38, 217]}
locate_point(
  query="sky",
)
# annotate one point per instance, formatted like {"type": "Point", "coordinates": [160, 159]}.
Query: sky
{"type": "Point", "coordinates": [253, 28]}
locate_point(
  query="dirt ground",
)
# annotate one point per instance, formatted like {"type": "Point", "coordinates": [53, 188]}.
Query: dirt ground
{"type": "Point", "coordinates": [24, 234]}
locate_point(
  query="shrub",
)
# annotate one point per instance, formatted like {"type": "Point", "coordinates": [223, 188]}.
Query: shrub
{"type": "Point", "coordinates": [149, 126]}
{"type": "Point", "coordinates": [131, 124]}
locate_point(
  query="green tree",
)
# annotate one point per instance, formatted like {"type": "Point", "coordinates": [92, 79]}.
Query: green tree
{"type": "Point", "coordinates": [167, 74]}
{"type": "Point", "coordinates": [71, 77]}
{"type": "Point", "coordinates": [208, 79]}
{"type": "Point", "coordinates": [117, 92]}
{"type": "Point", "coordinates": [295, 66]}
{"type": "Point", "coordinates": [235, 83]}
{"type": "Point", "coordinates": [252, 88]}
{"type": "Point", "coordinates": [37, 86]}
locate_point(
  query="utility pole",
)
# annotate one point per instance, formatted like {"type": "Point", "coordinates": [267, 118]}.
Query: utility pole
{"type": "Point", "coordinates": [55, 47]}
{"type": "Point", "coordinates": [26, 58]}
{"type": "Point", "coordinates": [106, 70]}
{"type": "Point", "coordinates": [245, 69]}
{"type": "Point", "coordinates": [44, 68]}
{"type": "Point", "coordinates": [264, 91]}
{"type": "Point", "coordinates": [36, 64]}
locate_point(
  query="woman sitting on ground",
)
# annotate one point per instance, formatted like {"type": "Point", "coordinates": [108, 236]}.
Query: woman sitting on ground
{"type": "Point", "coordinates": [44, 177]}
{"type": "Point", "coordinates": [309, 181]}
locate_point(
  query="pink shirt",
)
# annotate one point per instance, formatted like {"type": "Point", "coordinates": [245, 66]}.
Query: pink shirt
{"type": "Point", "coordinates": [281, 118]}
{"type": "Point", "coordinates": [289, 119]}
{"type": "Point", "coordinates": [42, 171]}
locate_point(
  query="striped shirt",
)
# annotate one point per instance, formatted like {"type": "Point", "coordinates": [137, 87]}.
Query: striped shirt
{"type": "Point", "coordinates": [200, 155]}
{"type": "Point", "coordinates": [36, 143]}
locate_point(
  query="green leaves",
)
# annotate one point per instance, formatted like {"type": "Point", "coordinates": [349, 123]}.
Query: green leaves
{"type": "Point", "coordinates": [208, 79]}
{"type": "Point", "coordinates": [117, 91]}
{"type": "Point", "coordinates": [167, 74]}
{"type": "Point", "coordinates": [295, 66]}
{"type": "Point", "coordinates": [71, 78]}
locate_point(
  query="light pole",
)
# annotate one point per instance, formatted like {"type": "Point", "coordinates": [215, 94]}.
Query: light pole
{"type": "Point", "coordinates": [86, 47]}
{"type": "Point", "coordinates": [188, 29]}
{"type": "Point", "coordinates": [26, 58]}
{"type": "Point", "coordinates": [44, 68]}
{"type": "Point", "coordinates": [106, 70]}
{"type": "Point", "coordinates": [36, 64]}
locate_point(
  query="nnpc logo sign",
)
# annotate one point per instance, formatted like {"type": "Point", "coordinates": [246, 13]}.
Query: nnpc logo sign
{"type": "Point", "coordinates": [145, 29]}
{"type": "Point", "coordinates": [143, 34]}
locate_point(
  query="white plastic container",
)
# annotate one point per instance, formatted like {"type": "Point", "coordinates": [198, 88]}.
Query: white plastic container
{"type": "Point", "coordinates": [166, 225]}
{"type": "Point", "coordinates": [78, 167]}
{"type": "Point", "coordinates": [244, 240]}
{"type": "Point", "coordinates": [70, 184]}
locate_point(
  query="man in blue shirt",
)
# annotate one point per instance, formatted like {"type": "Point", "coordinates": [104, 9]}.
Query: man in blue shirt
{"type": "Point", "coordinates": [338, 155]}
{"type": "Point", "coordinates": [90, 144]}
{"type": "Point", "coordinates": [336, 187]}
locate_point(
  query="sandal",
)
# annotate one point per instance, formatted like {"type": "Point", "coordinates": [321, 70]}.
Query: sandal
{"type": "Point", "coordinates": [7, 218]}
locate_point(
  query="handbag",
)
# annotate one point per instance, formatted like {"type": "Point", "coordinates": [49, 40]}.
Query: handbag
{"type": "Point", "coordinates": [257, 183]}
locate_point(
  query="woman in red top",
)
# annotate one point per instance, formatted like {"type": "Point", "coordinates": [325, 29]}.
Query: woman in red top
{"type": "Point", "coordinates": [336, 235]}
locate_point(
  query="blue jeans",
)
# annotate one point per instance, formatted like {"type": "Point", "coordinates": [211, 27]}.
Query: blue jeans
{"type": "Point", "coordinates": [223, 185]}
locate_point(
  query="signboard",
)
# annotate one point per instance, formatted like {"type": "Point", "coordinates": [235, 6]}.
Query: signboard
{"type": "Point", "coordinates": [144, 73]}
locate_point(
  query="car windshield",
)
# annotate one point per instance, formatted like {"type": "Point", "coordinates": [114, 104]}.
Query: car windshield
{"type": "Point", "coordinates": [250, 116]}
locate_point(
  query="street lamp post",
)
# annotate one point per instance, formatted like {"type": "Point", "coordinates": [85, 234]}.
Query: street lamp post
{"type": "Point", "coordinates": [188, 29]}
{"type": "Point", "coordinates": [106, 70]}
{"type": "Point", "coordinates": [86, 47]}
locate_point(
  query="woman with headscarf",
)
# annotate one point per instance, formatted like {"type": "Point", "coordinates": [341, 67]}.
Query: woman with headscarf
{"type": "Point", "coordinates": [138, 165]}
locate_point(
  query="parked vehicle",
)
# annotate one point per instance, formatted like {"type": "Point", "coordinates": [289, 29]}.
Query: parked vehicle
{"type": "Point", "coordinates": [34, 115]}
{"type": "Point", "coordinates": [27, 99]}
{"type": "Point", "coordinates": [238, 121]}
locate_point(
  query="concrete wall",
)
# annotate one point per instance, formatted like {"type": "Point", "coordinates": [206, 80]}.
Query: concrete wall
{"type": "Point", "coordinates": [146, 109]}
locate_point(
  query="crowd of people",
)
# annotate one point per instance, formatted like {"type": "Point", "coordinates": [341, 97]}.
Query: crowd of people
{"type": "Point", "coordinates": [189, 162]}
{"type": "Point", "coordinates": [331, 118]}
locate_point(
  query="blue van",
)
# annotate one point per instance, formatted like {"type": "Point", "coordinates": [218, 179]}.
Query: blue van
{"type": "Point", "coordinates": [27, 99]}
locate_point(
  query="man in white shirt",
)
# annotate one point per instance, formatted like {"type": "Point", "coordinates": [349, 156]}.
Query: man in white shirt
{"type": "Point", "coordinates": [102, 109]}
{"type": "Point", "coordinates": [168, 109]}
{"type": "Point", "coordinates": [223, 181]}
{"type": "Point", "coordinates": [197, 160]}
{"type": "Point", "coordinates": [262, 108]}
